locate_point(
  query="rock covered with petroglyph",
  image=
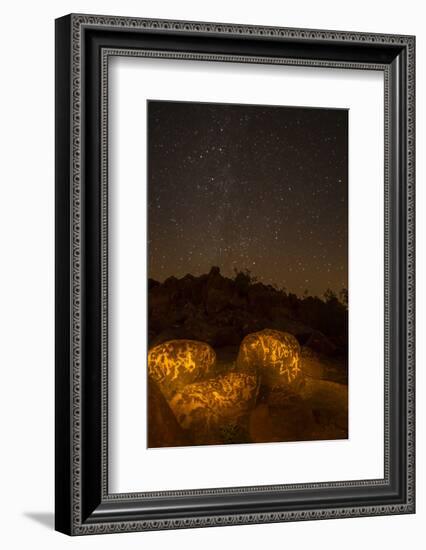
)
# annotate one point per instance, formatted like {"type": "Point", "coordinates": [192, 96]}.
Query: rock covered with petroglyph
{"type": "Point", "coordinates": [204, 407]}
{"type": "Point", "coordinates": [177, 363]}
{"type": "Point", "coordinates": [275, 355]}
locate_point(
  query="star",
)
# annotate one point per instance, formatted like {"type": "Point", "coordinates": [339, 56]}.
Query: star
{"type": "Point", "coordinates": [248, 186]}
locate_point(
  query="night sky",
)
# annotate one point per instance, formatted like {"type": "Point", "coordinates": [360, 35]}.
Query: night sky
{"type": "Point", "coordinates": [249, 187]}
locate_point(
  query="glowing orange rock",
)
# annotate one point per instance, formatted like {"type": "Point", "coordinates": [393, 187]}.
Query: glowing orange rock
{"type": "Point", "coordinates": [211, 405]}
{"type": "Point", "coordinates": [163, 428]}
{"type": "Point", "coordinates": [275, 355]}
{"type": "Point", "coordinates": [177, 363]}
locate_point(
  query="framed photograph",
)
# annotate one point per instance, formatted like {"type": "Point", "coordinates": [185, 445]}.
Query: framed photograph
{"type": "Point", "coordinates": [234, 274]}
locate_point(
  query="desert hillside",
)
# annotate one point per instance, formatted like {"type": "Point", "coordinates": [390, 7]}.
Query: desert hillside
{"type": "Point", "coordinates": [221, 311]}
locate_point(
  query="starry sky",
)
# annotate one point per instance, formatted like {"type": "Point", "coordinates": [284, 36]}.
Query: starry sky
{"type": "Point", "coordinates": [263, 188]}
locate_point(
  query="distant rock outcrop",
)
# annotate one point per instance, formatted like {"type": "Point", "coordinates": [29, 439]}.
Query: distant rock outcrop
{"type": "Point", "coordinates": [221, 311]}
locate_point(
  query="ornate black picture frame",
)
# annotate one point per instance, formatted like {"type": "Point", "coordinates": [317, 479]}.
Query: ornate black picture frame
{"type": "Point", "coordinates": [84, 43]}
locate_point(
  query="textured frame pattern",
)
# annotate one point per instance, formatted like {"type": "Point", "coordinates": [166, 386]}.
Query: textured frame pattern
{"type": "Point", "coordinates": [107, 53]}
{"type": "Point", "coordinates": [78, 23]}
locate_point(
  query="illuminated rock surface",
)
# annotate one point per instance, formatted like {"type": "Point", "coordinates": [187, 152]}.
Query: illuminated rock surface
{"type": "Point", "coordinates": [273, 390]}
{"type": "Point", "coordinates": [275, 355]}
{"type": "Point", "coordinates": [177, 363]}
{"type": "Point", "coordinates": [213, 410]}
{"type": "Point", "coordinates": [163, 428]}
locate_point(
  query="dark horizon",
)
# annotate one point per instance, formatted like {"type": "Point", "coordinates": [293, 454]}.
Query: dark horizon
{"type": "Point", "coordinates": [258, 188]}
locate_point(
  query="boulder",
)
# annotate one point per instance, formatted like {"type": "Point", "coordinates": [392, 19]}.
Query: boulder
{"type": "Point", "coordinates": [176, 363]}
{"type": "Point", "coordinates": [274, 355]}
{"type": "Point", "coordinates": [209, 409]}
{"type": "Point", "coordinates": [163, 428]}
